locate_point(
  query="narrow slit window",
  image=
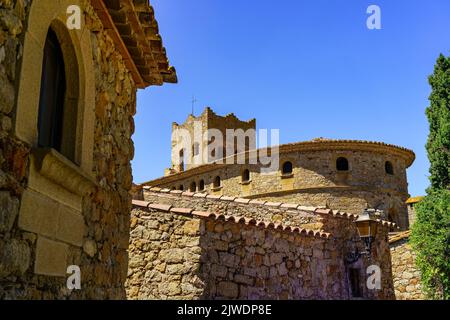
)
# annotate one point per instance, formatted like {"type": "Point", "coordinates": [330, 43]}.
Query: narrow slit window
{"type": "Point", "coordinates": [217, 182]}
{"type": "Point", "coordinates": [246, 175]}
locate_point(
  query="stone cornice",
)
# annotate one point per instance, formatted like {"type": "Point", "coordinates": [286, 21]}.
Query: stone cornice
{"type": "Point", "coordinates": [53, 166]}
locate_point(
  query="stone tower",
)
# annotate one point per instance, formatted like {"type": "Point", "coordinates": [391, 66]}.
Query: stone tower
{"type": "Point", "coordinates": [206, 138]}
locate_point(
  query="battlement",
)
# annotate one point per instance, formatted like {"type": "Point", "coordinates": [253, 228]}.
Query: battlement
{"type": "Point", "coordinates": [192, 141]}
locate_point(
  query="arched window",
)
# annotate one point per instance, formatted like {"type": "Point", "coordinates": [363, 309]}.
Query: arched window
{"type": "Point", "coordinates": [57, 118]}
{"type": "Point", "coordinates": [181, 188]}
{"type": "Point", "coordinates": [389, 168]}
{"type": "Point", "coordinates": [287, 167]}
{"type": "Point", "coordinates": [193, 187]}
{"type": "Point", "coordinates": [181, 156]}
{"type": "Point", "coordinates": [217, 182]}
{"type": "Point", "coordinates": [201, 185]}
{"type": "Point", "coordinates": [341, 164]}
{"type": "Point", "coordinates": [245, 175]}
{"type": "Point", "coordinates": [195, 149]}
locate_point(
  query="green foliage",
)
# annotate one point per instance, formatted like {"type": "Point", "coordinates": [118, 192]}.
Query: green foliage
{"type": "Point", "coordinates": [431, 240]}
{"type": "Point", "coordinates": [438, 113]}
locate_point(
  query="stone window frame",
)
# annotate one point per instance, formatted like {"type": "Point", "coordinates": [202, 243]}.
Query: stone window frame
{"type": "Point", "coordinates": [287, 175]}
{"type": "Point", "coordinates": [51, 205]}
{"type": "Point", "coordinates": [247, 181]}
{"type": "Point", "coordinates": [336, 164]}
{"type": "Point", "coordinates": [389, 168]}
{"type": "Point", "coordinates": [216, 187]}
{"type": "Point", "coordinates": [43, 15]}
{"type": "Point", "coordinates": [200, 184]}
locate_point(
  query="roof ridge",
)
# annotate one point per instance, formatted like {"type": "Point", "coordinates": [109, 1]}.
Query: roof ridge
{"type": "Point", "coordinates": [256, 202]}
{"type": "Point", "coordinates": [233, 219]}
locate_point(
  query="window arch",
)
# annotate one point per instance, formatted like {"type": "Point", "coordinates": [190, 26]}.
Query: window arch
{"type": "Point", "coordinates": [193, 187]}
{"type": "Point", "coordinates": [181, 187]}
{"type": "Point", "coordinates": [217, 182]}
{"type": "Point", "coordinates": [245, 175]}
{"type": "Point", "coordinates": [195, 149]}
{"type": "Point", "coordinates": [201, 185]}
{"type": "Point", "coordinates": [287, 167]}
{"type": "Point", "coordinates": [389, 168]}
{"type": "Point", "coordinates": [181, 159]}
{"type": "Point", "coordinates": [342, 164]}
{"type": "Point", "coordinates": [58, 99]}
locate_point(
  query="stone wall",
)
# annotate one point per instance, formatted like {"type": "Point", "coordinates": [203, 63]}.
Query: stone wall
{"type": "Point", "coordinates": [104, 224]}
{"type": "Point", "coordinates": [314, 180]}
{"type": "Point", "coordinates": [180, 253]}
{"type": "Point", "coordinates": [405, 274]}
{"type": "Point", "coordinates": [198, 127]}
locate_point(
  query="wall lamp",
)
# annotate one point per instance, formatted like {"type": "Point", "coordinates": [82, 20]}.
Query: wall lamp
{"type": "Point", "coordinates": [367, 229]}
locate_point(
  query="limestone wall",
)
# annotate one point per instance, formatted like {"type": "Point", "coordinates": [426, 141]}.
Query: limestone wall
{"type": "Point", "coordinates": [314, 181]}
{"type": "Point", "coordinates": [56, 226]}
{"type": "Point", "coordinates": [179, 253]}
{"type": "Point", "coordinates": [405, 274]}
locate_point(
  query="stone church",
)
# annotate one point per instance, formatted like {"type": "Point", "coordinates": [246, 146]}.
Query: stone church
{"type": "Point", "coordinates": [218, 228]}
{"type": "Point", "coordinates": [203, 231]}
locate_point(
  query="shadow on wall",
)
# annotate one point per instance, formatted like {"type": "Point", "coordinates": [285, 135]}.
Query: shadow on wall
{"type": "Point", "coordinates": [183, 256]}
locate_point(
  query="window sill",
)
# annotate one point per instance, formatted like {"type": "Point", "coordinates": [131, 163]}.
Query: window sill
{"type": "Point", "coordinates": [245, 183]}
{"type": "Point", "coordinates": [217, 188]}
{"type": "Point", "coordinates": [287, 176]}
{"type": "Point", "coordinates": [57, 168]}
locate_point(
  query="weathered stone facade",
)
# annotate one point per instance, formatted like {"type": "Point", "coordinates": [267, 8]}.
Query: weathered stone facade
{"type": "Point", "coordinates": [200, 131]}
{"type": "Point", "coordinates": [55, 212]}
{"type": "Point", "coordinates": [314, 180]}
{"type": "Point", "coordinates": [406, 275]}
{"type": "Point", "coordinates": [191, 253]}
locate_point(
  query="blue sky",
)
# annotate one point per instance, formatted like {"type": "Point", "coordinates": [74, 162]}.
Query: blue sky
{"type": "Point", "coordinates": [310, 68]}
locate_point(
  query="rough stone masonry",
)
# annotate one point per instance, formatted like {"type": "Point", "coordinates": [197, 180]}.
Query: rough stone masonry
{"type": "Point", "coordinates": [187, 253]}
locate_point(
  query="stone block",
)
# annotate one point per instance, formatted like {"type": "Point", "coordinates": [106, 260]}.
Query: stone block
{"type": "Point", "coordinates": [14, 257]}
{"type": "Point", "coordinates": [70, 226]}
{"type": "Point", "coordinates": [51, 257]}
{"type": "Point", "coordinates": [9, 207]}
{"type": "Point", "coordinates": [38, 214]}
{"type": "Point", "coordinates": [172, 255]}
{"type": "Point", "coordinates": [228, 289]}
{"type": "Point", "coordinates": [192, 227]}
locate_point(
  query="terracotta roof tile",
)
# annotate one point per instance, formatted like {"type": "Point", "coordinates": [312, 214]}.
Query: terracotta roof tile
{"type": "Point", "coordinates": [200, 195]}
{"type": "Point", "coordinates": [242, 200]}
{"type": "Point", "coordinates": [140, 203]}
{"type": "Point", "coordinates": [182, 210]}
{"type": "Point", "coordinates": [231, 219]}
{"type": "Point", "coordinates": [289, 205]}
{"type": "Point", "coordinates": [213, 197]}
{"type": "Point", "coordinates": [273, 204]}
{"type": "Point", "coordinates": [161, 207]}
{"type": "Point", "coordinates": [257, 202]}
{"type": "Point", "coordinates": [227, 198]}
